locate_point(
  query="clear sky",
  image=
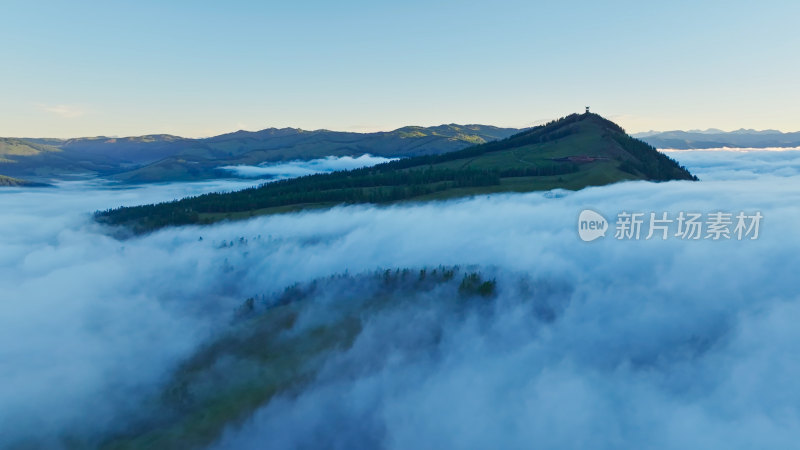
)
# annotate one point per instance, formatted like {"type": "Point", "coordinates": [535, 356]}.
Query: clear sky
{"type": "Point", "coordinates": [198, 68]}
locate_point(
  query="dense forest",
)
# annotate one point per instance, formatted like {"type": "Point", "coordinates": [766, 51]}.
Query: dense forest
{"type": "Point", "coordinates": [269, 350]}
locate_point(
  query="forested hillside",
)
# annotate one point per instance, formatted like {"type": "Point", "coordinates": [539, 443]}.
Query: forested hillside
{"type": "Point", "coordinates": [573, 152]}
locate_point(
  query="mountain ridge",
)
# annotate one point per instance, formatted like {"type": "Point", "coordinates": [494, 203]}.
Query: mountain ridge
{"type": "Point", "coordinates": [713, 138]}
{"type": "Point", "coordinates": [162, 157]}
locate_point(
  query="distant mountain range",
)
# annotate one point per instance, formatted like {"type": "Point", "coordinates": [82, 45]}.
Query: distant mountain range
{"type": "Point", "coordinates": [713, 138]}
{"type": "Point", "coordinates": [156, 158]}
{"type": "Point", "coordinates": [163, 157]}
{"type": "Point", "coordinates": [569, 153]}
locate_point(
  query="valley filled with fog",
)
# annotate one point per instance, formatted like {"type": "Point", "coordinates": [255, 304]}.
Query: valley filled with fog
{"type": "Point", "coordinates": [604, 344]}
{"type": "Point", "coordinates": [298, 168]}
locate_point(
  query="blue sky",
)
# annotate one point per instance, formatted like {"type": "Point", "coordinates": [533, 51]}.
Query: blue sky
{"type": "Point", "coordinates": [201, 68]}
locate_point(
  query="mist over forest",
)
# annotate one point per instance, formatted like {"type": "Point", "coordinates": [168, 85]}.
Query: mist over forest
{"type": "Point", "coordinates": [571, 344]}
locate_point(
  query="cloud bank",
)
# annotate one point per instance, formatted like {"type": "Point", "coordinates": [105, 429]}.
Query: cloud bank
{"type": "Point", "coordinates": [666, 344]}
{"type": "Point", "coordinates": [293, 169]}
{"type": "Point", "coordinates": [65, 111]}
{"type": "Point", "coordinates": [739, 164]}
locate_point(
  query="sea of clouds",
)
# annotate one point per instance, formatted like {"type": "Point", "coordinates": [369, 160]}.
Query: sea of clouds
{"type": "Point", "coordinates": [739, 164]}
{"type": "Point", "coordinates": [658, 343]}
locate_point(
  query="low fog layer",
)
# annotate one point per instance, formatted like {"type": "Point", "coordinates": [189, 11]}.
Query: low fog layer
{"type": "Point", "coordinates": [292, 169]}
{"type": "Point", "coordinates": [738, 164]}
{"type": "Point", "coordinates": [669, 344]}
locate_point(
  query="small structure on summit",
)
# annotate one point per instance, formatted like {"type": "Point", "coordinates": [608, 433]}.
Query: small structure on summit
{"type": "Point", "coordinates": [587, 110]}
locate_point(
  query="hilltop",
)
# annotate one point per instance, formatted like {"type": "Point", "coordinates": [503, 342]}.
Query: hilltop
{"type": "Point", "coordinates": [161, 157]}
{"type": "Point", "coordinates": [570, 153]}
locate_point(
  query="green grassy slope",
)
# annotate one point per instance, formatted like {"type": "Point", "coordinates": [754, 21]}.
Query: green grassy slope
{"type": "Point", "coordinates": [571, 153]}
{"type": "Point", "coordinates": [16, 182]}
{"type": "Point", "coordinates": [12, 149]}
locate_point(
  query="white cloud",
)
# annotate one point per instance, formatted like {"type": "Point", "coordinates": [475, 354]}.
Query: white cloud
{"type": "Point", "coordinates": [292, 169]}
{"type": "Point", "coordinates": [667, 344]}
{"type": "Point", "coordinates": [739, 164]}
{"type": "Point", "coordinates": [66, 111]}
